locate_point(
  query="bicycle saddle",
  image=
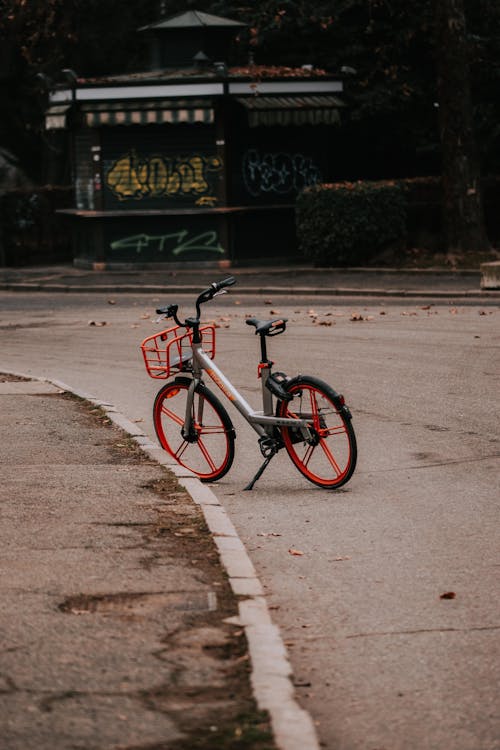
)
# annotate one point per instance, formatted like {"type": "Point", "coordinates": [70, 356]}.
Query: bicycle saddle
{"type": "Point", "coordinates": [268, 327]}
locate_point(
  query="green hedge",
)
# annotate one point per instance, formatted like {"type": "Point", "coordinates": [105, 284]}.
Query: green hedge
{"type": "Point", "coordinates": [346, 224]}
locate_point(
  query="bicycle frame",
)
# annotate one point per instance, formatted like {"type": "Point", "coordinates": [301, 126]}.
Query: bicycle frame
{"type": "Point", "coordinates": [261, 421]}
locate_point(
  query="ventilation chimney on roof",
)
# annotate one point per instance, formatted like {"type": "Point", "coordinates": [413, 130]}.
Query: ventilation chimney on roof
{"type": "Point", "coordinates": [175, 41]}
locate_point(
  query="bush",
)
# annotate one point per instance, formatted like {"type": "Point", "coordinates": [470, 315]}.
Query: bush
{"type": "Point", "coordinates": [346, 224]}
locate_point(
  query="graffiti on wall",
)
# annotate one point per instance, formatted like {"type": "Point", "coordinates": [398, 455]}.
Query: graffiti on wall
{"type": "Point", "coordinates": [175, 243]}
{"type": "Point", "coordinates": [132, 177]}
{"type": "Point", "coordinates": [278, 172]}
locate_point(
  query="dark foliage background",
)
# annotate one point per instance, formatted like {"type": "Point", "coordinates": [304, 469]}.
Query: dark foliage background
{"type": "Point", "coordinates": [390, 128]}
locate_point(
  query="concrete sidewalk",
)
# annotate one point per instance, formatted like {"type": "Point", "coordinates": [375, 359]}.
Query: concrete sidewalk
{"type": "Point", "coordinates": [294, 280]}
{"type": "Point", "coordinates": [127, 594]}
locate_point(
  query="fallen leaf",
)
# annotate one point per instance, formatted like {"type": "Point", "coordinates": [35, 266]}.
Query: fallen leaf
{"type": "Point", "coordinates": [356, 316]}
{"type": "Point", "coordinates": [97, 322]}
{"type": "Point", "coordinates": [268, 533]}
{"type": "Point", "coordinates": [111, 302]}
{"type": "Point", "coordinates": [268, 302]}
{"type": "Point", "coordinates": [448, 595]}
{"type": "Point", "coordinates": [326, 323]}
{"type": "Point", "coordinates": [275, 312]}
{"type": "Point", "coordinates": [296, 552]}
{"type": "Point", "coordinates": [339, 559]}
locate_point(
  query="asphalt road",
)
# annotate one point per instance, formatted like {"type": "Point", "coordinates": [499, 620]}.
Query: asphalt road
{"type": "Point", "coordinates": [380, 659]}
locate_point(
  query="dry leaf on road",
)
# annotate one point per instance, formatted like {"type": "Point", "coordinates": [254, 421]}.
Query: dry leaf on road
{"type": "Point", "coordinates": [448, 595]}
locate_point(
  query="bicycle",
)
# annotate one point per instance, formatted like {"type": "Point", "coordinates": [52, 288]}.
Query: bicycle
{"type": "Point", "coordinates": [309, 419]}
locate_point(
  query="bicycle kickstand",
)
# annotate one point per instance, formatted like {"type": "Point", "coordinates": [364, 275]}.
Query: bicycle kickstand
{"type": "Point", "coordinates": [269, 448]}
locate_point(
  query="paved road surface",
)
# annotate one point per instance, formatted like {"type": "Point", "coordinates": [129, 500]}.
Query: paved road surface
{"type": "Point", "coordinates": [380, 660]}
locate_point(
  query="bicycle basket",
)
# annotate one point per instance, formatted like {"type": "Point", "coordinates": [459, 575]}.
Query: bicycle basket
{"type": "Point", "coordinates": [170, 351]}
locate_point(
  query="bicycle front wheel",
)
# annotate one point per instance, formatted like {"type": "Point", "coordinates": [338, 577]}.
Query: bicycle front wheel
{"type": "Point", "coordinates": [209, 450]}
{"type": "Point", "coordinates": [327, 454]}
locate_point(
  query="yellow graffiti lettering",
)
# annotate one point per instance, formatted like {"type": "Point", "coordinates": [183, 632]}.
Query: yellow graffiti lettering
{"type": "Point", "coordinates": [132, 178]}
{"type": "Point", "coordinates": [123, 178]}
{"type": "Point", "coordinates": [199, 182]}
{"type": "Point", "coordinates": [157, 176]}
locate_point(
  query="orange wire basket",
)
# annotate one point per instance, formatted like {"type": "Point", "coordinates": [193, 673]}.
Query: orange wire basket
{"type": "Point", "coordinates": [170, 351]}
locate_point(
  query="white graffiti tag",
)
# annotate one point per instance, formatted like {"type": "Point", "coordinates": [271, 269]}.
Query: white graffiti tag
{"type": "Point", "coordinates": [278, 173]}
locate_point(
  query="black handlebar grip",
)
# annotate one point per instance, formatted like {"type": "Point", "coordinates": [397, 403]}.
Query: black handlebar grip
{"type": "Point", "coordinates": [225, 282]}
{"type": "Point", "coordinates": [168, 310]}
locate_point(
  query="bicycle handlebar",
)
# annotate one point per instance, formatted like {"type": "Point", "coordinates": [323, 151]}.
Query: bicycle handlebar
{"type": "Point", "coordinates": [215, 288]}
{"type": "Point", "coordinates": [170, 311]}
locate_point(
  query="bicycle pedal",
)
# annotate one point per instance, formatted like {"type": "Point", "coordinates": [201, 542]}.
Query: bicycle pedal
{"type": "Point", "coordinates": [276, 383]}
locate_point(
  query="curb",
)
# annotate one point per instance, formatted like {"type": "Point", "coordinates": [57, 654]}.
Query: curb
{"type": "Point", "coordinates": [471, 295]}
{"type": "Point", "coordinates": [271, 673]}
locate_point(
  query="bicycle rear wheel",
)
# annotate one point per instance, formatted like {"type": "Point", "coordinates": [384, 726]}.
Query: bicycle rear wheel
{"type": "Point", "coordinates": [209, 451]}
{"type": "Point", "coordinates": [327, 456]}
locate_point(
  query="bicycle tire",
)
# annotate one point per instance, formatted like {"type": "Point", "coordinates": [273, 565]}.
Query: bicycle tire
{"type": "Point", "coordinates": [329, 461]}
{"type": "Point", "coordinates": [210, 453]}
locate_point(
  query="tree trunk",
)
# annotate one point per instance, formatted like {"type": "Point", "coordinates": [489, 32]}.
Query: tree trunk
{"type": "Point", "coordinates": [462, 203]}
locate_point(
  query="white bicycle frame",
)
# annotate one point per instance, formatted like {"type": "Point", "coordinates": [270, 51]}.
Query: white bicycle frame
{"type": "Point", "coordinates": [261, 421]}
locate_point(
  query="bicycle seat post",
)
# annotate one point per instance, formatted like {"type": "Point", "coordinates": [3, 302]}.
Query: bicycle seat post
{"type": "Point", "coordinates": [264, 370]}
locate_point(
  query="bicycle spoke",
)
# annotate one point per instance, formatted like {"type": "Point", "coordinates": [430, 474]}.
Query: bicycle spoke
{"type": "Point", "coordinates": [169, 413]}
{"type": "Point", "coordinates": [212, 430]}
{"type": "Point", "coordinates": [206, 454]}
{"type": "Point", "coordinates": [308, 454]}
{"type": "Point", "coordinates": [314, 409]}
{"type": "Point", "coordinates": [180, 450]}
{"type": "Point", "coordinates": [330, 457]}
{"type": "Point", "coordinates": [337, 430]}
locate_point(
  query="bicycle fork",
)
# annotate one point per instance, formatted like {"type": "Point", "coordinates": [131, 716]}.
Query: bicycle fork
{"type": "Point", "coordinates": [188, 430]}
